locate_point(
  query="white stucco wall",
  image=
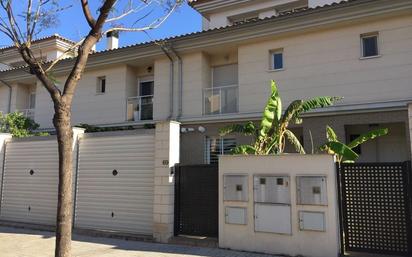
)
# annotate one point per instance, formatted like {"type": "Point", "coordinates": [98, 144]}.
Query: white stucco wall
{"type": "Point", "coordinates": [88, 106]}
{"type": "Point", "coordinates": [4, 98]}
{"type": "Point", "coordinates": [306, 243]}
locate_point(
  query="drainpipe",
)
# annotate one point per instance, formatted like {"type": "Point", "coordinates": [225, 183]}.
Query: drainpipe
{"type": "Point", "coordinates": [171, 78]}
{"type": "Point", "coordinates": [180, 93]}
{"type": "Point", "coordinates": [10, 94]}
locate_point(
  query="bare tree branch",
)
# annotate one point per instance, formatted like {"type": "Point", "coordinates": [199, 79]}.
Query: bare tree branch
{"type": "Point", "coordinates": [87, 14]}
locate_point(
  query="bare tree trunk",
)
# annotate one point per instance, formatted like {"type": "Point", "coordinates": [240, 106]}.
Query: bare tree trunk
{"type": "Point", "coordinates": [62, 123]}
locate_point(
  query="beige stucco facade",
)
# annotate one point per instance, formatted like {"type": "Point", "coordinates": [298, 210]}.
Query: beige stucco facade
{"type": "Point", "coordinates": [298, 242]}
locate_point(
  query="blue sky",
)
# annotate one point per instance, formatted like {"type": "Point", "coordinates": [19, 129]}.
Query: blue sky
{"type": "Point", "coordinates": [73, 25]}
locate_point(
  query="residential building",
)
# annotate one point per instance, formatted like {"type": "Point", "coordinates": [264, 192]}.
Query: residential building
{"type": "Point", "coordinates": [358, 49]}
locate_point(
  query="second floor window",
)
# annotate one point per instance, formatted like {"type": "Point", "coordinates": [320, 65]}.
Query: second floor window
{"type": "Point", "coordinates": [225, 75]}
{"type": "Point", "coordinates": [101, 85]}
{"type": "Point", "coordinates": [370, 47]}
{"type": "Point", "coordinates": [277, 59]}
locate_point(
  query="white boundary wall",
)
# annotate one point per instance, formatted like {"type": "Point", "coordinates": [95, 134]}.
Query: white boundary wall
{"type": "Point", "coordinates": [298, 242]}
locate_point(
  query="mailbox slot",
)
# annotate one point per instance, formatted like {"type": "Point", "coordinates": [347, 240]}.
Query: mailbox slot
{"type": "Point", "coordinates": [236, 215]}
{"type": "Point", "coordinates": [235, 188]}
{"type": "Point", "coordinates": [273, 218]}
{"type": "Point", "coordinates": [312, 221]}
{"type": "Point", "coordinates": [311, 190]}
{"type": "Point", "coordinates": [272, 189]}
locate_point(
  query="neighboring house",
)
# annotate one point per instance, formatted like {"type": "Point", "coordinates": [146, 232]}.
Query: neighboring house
{"type": "Point", "coordinates": [358, 49]}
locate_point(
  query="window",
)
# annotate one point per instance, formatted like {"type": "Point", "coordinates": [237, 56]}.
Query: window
{"type": "Point", "coordinates": [101, 85]}
{"type": "Point", "coordinates": [370, 45]}
{"type": "Point", "coordinates": [216, 147]}
{"type": "Point", "coordinates": [146, 88]}
{"type": "Point", "coordinates": [32, 100]}
{"type": "Point", "coordinates": [277, 60]}
{"type": "Point", "coordinates": [225, 75]}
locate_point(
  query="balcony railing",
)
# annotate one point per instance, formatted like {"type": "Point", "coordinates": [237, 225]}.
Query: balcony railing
{"type": "Point", "coordinates": [28, 113]}
{"type": "Point", "coordinates": [139, 108]}
{"type": "Point", "coordinates": [220, 100]}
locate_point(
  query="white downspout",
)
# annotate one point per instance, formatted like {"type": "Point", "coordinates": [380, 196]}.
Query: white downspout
{"type": "Point", "coordinates": [171, 80]}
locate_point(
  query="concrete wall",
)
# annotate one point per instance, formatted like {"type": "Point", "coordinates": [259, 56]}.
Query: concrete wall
{"type": "Point", "coordinates": [305, 243]}
{"type": "Point", "coordinates": [166, 156]}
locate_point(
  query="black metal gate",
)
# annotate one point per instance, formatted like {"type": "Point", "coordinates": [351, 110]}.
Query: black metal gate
{"type": "Point", "coordinates": [196, 200]}
{"type": "Point", "coordinates": [376, 208]}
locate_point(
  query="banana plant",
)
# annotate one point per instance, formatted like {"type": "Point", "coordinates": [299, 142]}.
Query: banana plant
{"type": "Point", "coordinates": [344, 152]}
{"type": "Point", "coordinates": [270, 137]}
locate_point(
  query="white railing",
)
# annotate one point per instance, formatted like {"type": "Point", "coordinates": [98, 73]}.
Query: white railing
{"type": "Point", "coordinates": [139, 108]}
{"type": "Point", "coordinates": [28, 113]}
{"type": "Point", "coordinates": [221, 100]}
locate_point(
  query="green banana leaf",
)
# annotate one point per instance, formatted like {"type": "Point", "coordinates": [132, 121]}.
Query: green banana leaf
{"type": "Point", "coordinates": [368, 136]}
{"type": "Point", "coordinates": [294, 141]}
{"type": "Point", "coordinates": [341, 150]}
{"type": "Point", "coordinates": [292, 112]}
{"type": "Point", "coordinates": [330, 134]}
{"type": "Point", "coordinates": [243, 149]}
{"type": "Point", "coordinates": [319, 102]}
{"type": "Point", "coordinates": [248, 129]}
{"type": "Point", "coordinates": [272, 112]}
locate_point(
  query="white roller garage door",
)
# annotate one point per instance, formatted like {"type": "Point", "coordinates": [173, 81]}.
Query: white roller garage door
{"type": "Point", "coordinates": [30, 182]}
{"type": "Point", "coordinates": [115, 183]}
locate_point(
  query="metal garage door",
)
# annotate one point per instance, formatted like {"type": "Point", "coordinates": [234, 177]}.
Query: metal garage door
{"type": "Point", "coordinates": [29, 191]}
{"type": "Point", "coordinates": [115, 183]}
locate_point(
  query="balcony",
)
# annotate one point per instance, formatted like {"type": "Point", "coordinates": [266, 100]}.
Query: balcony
{"type": "Point", "coordinates": [220, 100]}
{"type": "Point", "coordinates": [140, 108]}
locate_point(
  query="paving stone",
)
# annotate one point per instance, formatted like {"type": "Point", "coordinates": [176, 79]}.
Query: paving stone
{"type": "Point", "coordinates": [30, 243]}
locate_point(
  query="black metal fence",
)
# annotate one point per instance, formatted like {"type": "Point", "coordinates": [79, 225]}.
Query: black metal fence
{"type": "Point", "coordinates": [196, 200]}
{"type": "Point", "coordinates": [376, 207]}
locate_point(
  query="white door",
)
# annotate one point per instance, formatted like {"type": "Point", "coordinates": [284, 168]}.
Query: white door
{"type": "Point", "coordinates": [30, 183]}
{"type": "Point", "coordinates": [115, 183]}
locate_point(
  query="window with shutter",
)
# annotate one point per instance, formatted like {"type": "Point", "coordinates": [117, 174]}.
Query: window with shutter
{"type": "Point", "coordinates": [217, 146]}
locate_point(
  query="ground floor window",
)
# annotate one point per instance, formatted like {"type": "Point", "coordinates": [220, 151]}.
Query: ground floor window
{"type": "Point", "coordinates": [215, 146]}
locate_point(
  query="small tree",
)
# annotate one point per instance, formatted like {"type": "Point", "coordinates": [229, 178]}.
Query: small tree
{"type": "Point", "coordinates": [273, 132]}
{"type": "Point", "coordinates": [18, 125]}
{"type": "Point", "coordinates": [344, 152]}
{"type": "Point", "coordinates": [23, 20]}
